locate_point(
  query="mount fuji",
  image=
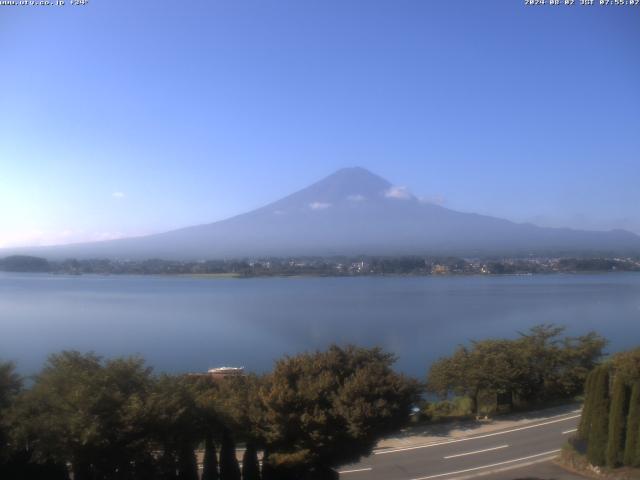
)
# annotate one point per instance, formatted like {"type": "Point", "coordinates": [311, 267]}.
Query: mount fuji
{"type": "Point", "coordinates": [352, 212]}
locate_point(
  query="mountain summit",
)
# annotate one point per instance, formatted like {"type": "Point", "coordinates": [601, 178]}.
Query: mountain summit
{"type": "Point", "coordinates": [345, 187]}
{"type": "Point", "coordinates": [353, 211]}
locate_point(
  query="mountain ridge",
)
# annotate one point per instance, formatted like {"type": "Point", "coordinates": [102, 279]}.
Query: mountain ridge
{"type": "Point", "coordinates": [351, 211]}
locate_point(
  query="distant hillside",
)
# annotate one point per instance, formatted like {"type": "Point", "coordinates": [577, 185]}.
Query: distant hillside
{"type": "Point", "coordinates": [353, 211]}
{"type": "Point", "coordinates": [24, 263]}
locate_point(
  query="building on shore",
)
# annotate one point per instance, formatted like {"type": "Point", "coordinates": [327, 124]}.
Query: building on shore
{"type": "Point", "coordinates": [219, 373]}
{"type": "Point", "coordinates": [225, 372]}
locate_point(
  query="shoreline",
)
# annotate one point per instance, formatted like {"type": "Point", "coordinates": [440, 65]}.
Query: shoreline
{"type": "Point", "coordinates": [223, 276]}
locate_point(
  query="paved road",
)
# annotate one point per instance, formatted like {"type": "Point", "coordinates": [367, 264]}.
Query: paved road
{"type": "Point", "coordinates": [467, 457]}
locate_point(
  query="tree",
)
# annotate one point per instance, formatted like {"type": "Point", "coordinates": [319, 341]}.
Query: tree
{"type": "Point", "coordinates": [538, 365]}
{"type": "Point", "coordinates": [250, 465]}
{"type": "Point", "coordinates": [10, 387]}
{"type": "Point", "coordinates": [587, 408]}
{"type": "Point", "coordinates": [556, 367]}
{"type": "Point", "coordinates": [617, 423]}
{"type": "Point", "coordinates": [238, 405]}
{"type": "Point", "coordinates": [540, 351]}
{"type": "Point", "coordinates": [577, 357]}
{"type": "Point", "coordinates": [80, 410]}
{"type": "Point", "coordinates": [24, 263]}
{"type": "Point", "coordinates": [491, 366]}
{"type": "Point", "coordinates": [268, 471]}
{"type": "Point", "coordinates": [327, 408]}
{"type": "Point", "coordinates": [632, 443]}
{"type": "Point", "coordinates": [627, 365]}
{"type": "Point", "coordinates": [173, 421]}
{"type": "Point", "coordinates": [599, 422]}
{"type": "Point", "coordinates": [210, 462]}
{"type": "Point", "coordinates": [229, 468]}
{"type": "Point", "coordinates": [456, 374]}
{"type": "Point", "coordinates": [187, 463]}
{"type": "Point", "coordinates": [167, 466]}
{"type": "Point", "coordinates": [10, 384]}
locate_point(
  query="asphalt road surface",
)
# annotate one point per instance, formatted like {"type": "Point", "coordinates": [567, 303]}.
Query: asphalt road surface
{"type": "Point", "coordinates": [470, 456]}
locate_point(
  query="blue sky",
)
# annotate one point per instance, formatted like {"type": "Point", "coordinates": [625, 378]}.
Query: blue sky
{"type": "Point", "coordinates": [124, 118]}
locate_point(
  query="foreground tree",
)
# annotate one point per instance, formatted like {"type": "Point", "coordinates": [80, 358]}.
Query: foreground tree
{"type": "Point", "coordinates": [237, 401]}
{"type": "Point", "coordinates": [324, 409]}
{"type": "Point", "coordinates": [174, 422]}
{"type": "Point", "coordinates": [632, 443]}
{"type": "Point", "coordinates": [599, 417]}
{"type": "Point", "coordinates": [627, 365]}
{"type": "Point", "coordinates": [210, 461]}
{"type": "Point", "coordinates": [10, 387]}
{"type": "Point", "coordinates": [537, 366]}
{"type": "Point", "coordinates": [578, 356]}
{"type": "Point", "coordinates": [493, 367]}
{"type": "Point", "coordinates": [250, 464]}
{"type": "Point", "coordinates": [80, 410]}
{"type": "Point", "coordinates": [587, 407]}
{"type": "Point", "coordinates": [229, 468]}
{"type": "Point", "coordinates": [187, 463]}
{"type": "Point", "coordinates": [617, 423]}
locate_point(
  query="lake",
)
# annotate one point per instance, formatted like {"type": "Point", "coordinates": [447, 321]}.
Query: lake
{"type": "Point", "coordinates": [190, 324]}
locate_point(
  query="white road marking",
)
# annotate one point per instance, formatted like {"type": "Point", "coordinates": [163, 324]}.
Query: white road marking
{"type": "Point", "coordinates": [570, 431]}
{"type": "Point", "coordinates": [487, 466]}
{"type": "Point", "coordinates": [476, 451]}
{"type": "Point", "coordinates": [368, 469]}
{"type": "Point", "coordinates": [404, 449]}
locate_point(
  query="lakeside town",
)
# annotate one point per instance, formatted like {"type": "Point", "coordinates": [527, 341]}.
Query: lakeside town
{"type": "Point", "coordinates": [325, 266]}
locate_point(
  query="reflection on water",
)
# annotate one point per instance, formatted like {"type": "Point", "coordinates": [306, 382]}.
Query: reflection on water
{"type": "Point", "coordinates": [186, 324]}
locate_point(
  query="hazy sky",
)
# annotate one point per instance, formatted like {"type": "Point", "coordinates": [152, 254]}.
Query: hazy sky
{"type": "Point", "coordinates": [129, 117]}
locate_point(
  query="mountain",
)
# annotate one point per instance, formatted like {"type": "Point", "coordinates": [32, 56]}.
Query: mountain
{"type": "Point", "coordinates": [353, 211]}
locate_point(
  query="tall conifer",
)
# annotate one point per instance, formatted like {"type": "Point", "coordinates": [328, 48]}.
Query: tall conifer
{"type": "Point", "coordinates": [267, 472]}
{"type": "Point", "coordinates": [187, 463]}
{"type": "Point", "coordinates": [250, 465]}
{"type": "Point", "coordinates": [210, 462]}
{"type": "Point", "coordinates": [229, 468]}
{"type": "Point", "coordinates": [599, 428]}
{"type": "Point", "coordinates": [587, 408]}
{"type": "Point", "coordinates": [632, 445]}
{"type": "Point", "coordinates": [617, 421]}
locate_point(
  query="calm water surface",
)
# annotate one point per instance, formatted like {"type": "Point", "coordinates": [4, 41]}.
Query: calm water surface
{"type": "Point", "coordinates": [190, 324]}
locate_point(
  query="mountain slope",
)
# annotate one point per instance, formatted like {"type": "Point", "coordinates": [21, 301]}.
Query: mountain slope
{"type": "Point", "coordinates": [353, 212]}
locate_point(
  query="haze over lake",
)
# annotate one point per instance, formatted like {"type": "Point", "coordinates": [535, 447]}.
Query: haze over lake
{"type": "Point", "coordinates": [190, 324]}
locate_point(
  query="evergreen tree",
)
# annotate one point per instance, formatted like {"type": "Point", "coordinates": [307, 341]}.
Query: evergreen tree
{"type": "Point", "coordinates": [229, 468]}
{"type": "Point", "coordinates": [187, 463]}
{"type": "Point", "coordinates": [10, 386]}
{"type": "Point", "coordinates": [636, 460]}
{"type": "Point", "coordinates": [146, 467]}
{"type": "Point", "coordinates": [632, 445]}
{"type": "Point", "coordinates": [250, 465]}
{"type": "Point", "coordinates": [267, 472]}
{"type": "Point", "coordinates": [599, 425]}
{"type": "Point", "coordinates": [617, 420]}
{"type": "Point", "coordinates": [167, 466]}
{"type": "Point", "coordinates": [587, 408]}
{"type": "Point", "coordinates": [210, 467]}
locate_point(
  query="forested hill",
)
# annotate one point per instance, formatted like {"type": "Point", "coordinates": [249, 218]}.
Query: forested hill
{"type": "Point", "coordinates": [24, 263]}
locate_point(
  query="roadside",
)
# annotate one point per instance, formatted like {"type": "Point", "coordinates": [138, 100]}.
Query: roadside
{"type": "Point", "coordinates": [528, 433]}
{"type": "Point", "coordinates": [433, 433]}
{"type": "Point", "coordinates": [427, 434]}
{"type": "Point", "coordinates": [547, 470]}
